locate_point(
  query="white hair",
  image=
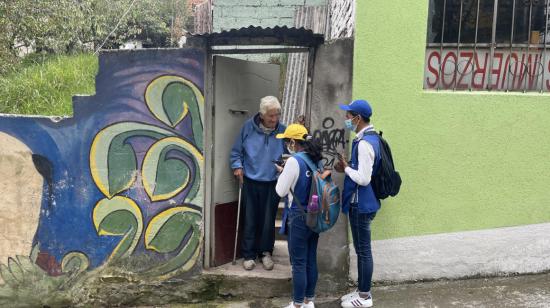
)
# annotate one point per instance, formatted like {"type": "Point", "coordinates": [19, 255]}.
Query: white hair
{"type": "Point", "coordinates": [269, 103]}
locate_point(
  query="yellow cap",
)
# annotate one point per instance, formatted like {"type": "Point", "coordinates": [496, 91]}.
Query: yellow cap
{"type": "Point", "coordinates": [294, 131]}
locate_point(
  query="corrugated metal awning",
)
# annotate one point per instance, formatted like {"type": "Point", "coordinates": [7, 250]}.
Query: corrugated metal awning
{"type": "Point", "coordinates": [261, 36]}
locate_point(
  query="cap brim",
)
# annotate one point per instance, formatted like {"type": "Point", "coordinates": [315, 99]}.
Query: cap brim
{"type": "Point", "coordinates": [280, 136]}
{"type": "Point", "coordinates": [345, 107]}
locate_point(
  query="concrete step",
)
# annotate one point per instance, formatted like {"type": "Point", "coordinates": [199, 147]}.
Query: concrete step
{"type": "Point", "coordinates": [281, 270]}
{"type": "Point", "coordinates": [280, 210]}
{"type": "Point", "coordinates": [278, 225]}
{"type": "Point", "coordinates": [280, 253]}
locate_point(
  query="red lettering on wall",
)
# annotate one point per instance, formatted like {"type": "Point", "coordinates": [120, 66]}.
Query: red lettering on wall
{"type": "Point", "coordinates": [445, 61]}
{"type": "Point", "coordinates": [497, 71]}
{"type": "Point", "coordinates": [506, 72]}
{"type": "Point", "coordinates": [515, 70]}
{"type": "Point", "coordinates": [548, 81]}
{"type": "Point", "coordinates": [479, 70]}
{"type": "Point", "coordinates": [532, 70]}
{"type": "Point", "coordinates": [469, 55]}
{"type": "Point", "coordinates": [433, 70]}
{"type": "Point", "coordinates": [522, 72]}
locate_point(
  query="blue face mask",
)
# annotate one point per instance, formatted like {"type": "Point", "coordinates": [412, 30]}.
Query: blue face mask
{"type": "Point", "coordinates": [349, 124]}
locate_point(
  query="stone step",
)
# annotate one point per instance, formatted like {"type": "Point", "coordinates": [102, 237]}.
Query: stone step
{"type": "Point", "coordinates": [281, 270]}
{"type": "Point", "coordinates": [280, 253]}
{"type": "Point", "coordinates": [280, 210]}
{"type": "Point", "coordinates": [279, 237]}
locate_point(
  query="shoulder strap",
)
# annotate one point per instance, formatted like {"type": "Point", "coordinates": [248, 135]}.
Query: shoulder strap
{"type": "Point", "coordinates": [308, 161]}
{"type": "Point", "coordinates": [297, 201]}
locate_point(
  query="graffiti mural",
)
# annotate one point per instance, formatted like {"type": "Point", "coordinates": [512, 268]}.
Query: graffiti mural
{"type": "Point", "coordinates": [332, 139]}
{"type": "Point", "coordinates": [121, 180]}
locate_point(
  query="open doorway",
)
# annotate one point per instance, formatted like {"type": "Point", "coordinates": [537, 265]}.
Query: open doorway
{"type": "Point", "coordinates": [238, 87]}
{"type": "Point", "coordinates": [234, 88]}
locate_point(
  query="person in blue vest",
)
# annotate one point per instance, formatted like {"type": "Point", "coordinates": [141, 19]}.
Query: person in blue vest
{"type": "Point", "coordinates": [358, 199]}
{"type": "Point", "coordinates": [302, 242]}
{"type": "Point", "coordinates": [251, 159]}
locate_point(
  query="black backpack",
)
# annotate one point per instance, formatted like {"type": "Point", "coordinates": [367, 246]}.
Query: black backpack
{"type": "Point", "coordinates": [385, 181]}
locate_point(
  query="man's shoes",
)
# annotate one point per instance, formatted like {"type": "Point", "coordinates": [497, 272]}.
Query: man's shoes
{"type": "Point", "coordinates": [249, 265]}
{"type": "Point", "coordinates": [357, 301]}
{"type": "Point", "coordinates": [350, 295]}
{"type": "Point", "coordinates": [291, 305]}
{"type": "Point", "coordinates": [267, 262]}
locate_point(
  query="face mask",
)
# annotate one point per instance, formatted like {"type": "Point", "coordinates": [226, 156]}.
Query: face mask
{"type": "Point", "coordinates": [291, 151]}
{"type": "Point", "coordinates": [349, 124]}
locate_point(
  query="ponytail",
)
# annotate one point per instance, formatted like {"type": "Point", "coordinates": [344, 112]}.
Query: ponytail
{"type": "Point", "coordinates": [312, 147]}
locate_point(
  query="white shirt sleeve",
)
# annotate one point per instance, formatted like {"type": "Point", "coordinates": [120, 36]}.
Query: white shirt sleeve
{"type": "Point", "coordinates": [288, 178]}
{"type": "Point", "coordinates": [365, 154]}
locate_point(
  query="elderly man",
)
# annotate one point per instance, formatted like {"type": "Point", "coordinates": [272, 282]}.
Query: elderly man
{"type": "Point", "coordinates": [252, 159]}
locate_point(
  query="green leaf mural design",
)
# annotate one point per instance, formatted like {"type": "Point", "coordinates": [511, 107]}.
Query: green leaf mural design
{"type": "Point", "coordinates": [171, 98]}
{"type": "Point", "coordinates": [15, 269]}
{"type": "Point", "coordinates": [164, 178]}
{"type": "Point", "coordinates": [25, 263]}
{"type": "Point", "coordinates": [166, 232]}
{"type": "Point", "coordinates": [173, 104]}
{"type": "Point", "coordinates": [74, 263]}
{"type": "Point", "coordinates": [119, 216]}
{"type": "Point", "coordinates": [7, 276]}
{"type": "Point", "coordinates": [113, 160]}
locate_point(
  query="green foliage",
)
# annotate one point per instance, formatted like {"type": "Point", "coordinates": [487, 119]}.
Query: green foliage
{"type": "Point", "coordinates": [157, 22]}
{"type": "Point", "coordinates": [68, 26]}
{"type": "Point", "coordinates": [45, 84]}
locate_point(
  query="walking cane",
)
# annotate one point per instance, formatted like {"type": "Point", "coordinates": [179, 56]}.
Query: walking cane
{"type": "Point", "coordinates": [237, 227]}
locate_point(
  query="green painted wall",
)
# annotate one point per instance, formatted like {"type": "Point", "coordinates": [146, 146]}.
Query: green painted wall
{"type": "Point", "coordinates": [469, 161]}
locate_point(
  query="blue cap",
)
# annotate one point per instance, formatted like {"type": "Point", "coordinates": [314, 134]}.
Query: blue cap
{"type": "Point", "coordinates": [359, 106]}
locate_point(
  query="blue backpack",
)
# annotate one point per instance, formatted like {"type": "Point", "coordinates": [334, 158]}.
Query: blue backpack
{"type": "Point", "coordinates": [329, 198]}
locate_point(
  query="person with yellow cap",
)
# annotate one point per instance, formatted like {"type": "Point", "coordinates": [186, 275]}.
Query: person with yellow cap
{"type": "Point", "coordinates": [296, 179]}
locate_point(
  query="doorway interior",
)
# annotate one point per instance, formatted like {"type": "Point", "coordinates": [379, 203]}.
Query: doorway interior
{"type": "Point", "coordinates": [235, 86]}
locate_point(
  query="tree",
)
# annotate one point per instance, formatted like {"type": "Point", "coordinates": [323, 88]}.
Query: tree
{"type": "Point", "coordinates": [61, 26]}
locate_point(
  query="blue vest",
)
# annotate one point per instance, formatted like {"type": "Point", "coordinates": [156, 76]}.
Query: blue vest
{"type": "Point", "coordinates": [301, 191]}
{"type": "Point", "coordinates": [367, 201]}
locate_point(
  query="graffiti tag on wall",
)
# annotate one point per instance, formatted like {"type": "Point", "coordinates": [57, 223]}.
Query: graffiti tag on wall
{"type": "Point", "coordinates": [332, 139]}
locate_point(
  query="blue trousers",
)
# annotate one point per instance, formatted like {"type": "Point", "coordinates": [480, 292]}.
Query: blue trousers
{"type": "Point", "coordinates": [360, 231]}
{"type": "Point", "coordinates": [302, 248]}
{"type": "Point", "coordinates": [260, 202]}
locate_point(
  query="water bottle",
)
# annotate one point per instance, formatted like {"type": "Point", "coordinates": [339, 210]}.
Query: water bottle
{"type": "Point", "coordinates": [313, 205]}
{"type": "Point", "coordinates": [312, 211]}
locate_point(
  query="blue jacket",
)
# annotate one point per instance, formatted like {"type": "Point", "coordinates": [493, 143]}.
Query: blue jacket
{"type": "Point", "coordinates": [254, 151]}
{"type": "Point", "coordinates": [367, 201]}
{"type": "Point", "coordinates": [301, 191]}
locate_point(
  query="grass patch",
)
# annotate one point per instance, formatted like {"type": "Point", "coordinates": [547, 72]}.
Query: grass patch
{"type": "Point", "coordinates": [45, 84]}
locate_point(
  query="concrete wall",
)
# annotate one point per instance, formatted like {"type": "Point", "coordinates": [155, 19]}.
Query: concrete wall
{"type": "Point", "coordinates": [469, 160]}
{"type": "Point", "coordinates": [114, 191]}
{"type": "Point", "coordinates": [327, 126]}
{"type": "Point", "coordinates": [342, 18]}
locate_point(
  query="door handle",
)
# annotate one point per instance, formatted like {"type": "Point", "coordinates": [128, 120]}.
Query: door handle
{"type": "Point", "coordinates": [236, 111]}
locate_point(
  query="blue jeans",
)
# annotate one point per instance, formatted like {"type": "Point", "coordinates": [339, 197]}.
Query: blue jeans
{"type": "Point", "coordinates": [302, 247]}
{"type": "Point", "coordinates": [360, 231]}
